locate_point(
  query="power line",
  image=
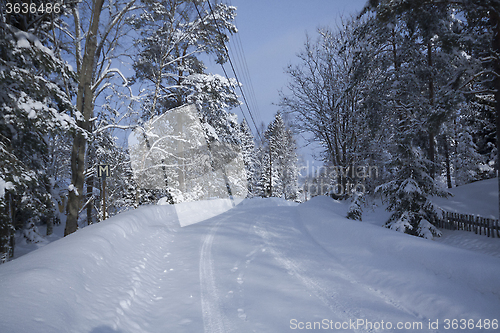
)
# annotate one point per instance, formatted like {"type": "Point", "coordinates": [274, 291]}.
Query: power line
{"type": "Point", "coordinates": [223, 69]}
{"type": "Point", "coordinates": [246, 72]}
{"type": "Point", "coordinates": [232, 67]}
{"type": "Point", "coordinates": [250, 84]}
{"type": "Point", "coordinates": [247, 84]}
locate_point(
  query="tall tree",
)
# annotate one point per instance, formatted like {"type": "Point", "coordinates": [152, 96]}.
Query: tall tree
{"type": "Point", "coordinates": [410, 190]}
{"type": "Point", "coordinates": [95, 42]}
{"type": "Point", "coordinates": [483, 18]}
{"type": "Point", "coordinates": [173, 35]}
{"type": "Point", "coordinates": [325, 102]}
{"type": "Point", "coordinates": [278, 170]}
{"type": "Point", "coordinates": [249, 152]}
{"type": "Point", "coordinates": [34, 105]}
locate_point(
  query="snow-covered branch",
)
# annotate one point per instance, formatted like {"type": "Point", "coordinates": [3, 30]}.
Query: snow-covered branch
{"type": "Point", "coordinates": [106, 127]}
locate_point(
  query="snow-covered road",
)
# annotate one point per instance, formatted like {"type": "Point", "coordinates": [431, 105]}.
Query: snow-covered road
{"type": "Point", "coordinates": [264, 266]}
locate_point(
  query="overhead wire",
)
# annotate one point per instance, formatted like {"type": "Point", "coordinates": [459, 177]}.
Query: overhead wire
{"type": "Point", "coordinates": [240, 53]}
{"type": "Point", "coordinates": [244, 74]}
{"type": "Point", "coordinates": [223, 68]}
{"type": "Point", "coordinates": [234, 71]}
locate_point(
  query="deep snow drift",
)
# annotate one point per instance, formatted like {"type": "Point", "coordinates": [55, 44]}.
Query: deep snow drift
{"type": "Point", "coordinates": [478, 198]}
{"type": "Point", "coordinates": [264, 266]}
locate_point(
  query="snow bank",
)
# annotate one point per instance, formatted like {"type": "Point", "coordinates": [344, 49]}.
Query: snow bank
{"type": "Point", "coordinates": [196, 211]}
{"type": "Point", "coordinates": [433, 280]}
{"type": "Point", "coordinates": [478, 198]}
{"type": "Point", "coordinates": [267, 202]}
{"type": "Point", "coordinates": [75, 281]}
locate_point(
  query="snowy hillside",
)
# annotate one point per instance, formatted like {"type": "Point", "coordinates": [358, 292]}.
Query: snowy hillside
{"type": "Point", "coordinates": [264, 266]}
{"type": "Point", "coordinates": [478, 198]}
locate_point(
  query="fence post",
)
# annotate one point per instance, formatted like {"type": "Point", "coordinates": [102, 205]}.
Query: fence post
{"type": "Point", "coordinates": [497, 228]}
{"type": "Point", "coordinates": [469, 222]}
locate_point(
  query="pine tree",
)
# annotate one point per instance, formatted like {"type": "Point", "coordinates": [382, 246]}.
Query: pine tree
{"type": "Point", "coordinates": [483, 28]}
{"type": "Point", "coordinates": [33, 106]}
{"type": "Point", "coordinates": [408, 193]}
{"type": "Point", "coordinates": [173, 36]}
{"type": "Point", "coordinates": [290, 168]}
{"type": "Point", "coordinates": [419, 49]}
{"type": "Point", "coordinates": [249, 157]}
{"type": "Point", "coordinates": [355, 210]}
{"type": "Point", "coordinates": [278, 175]}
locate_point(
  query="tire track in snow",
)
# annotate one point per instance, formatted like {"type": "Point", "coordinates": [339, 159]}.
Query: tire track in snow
{"type": "Point", "coordinates": [377, 293]}
{"type": "Point", "coordinates": [214, 320]}
{"type": "Point", "coordinates": [326, 295]}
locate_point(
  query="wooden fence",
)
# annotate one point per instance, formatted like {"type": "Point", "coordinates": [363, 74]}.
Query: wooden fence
{"type": "Point", "coordinates": [480, 225]}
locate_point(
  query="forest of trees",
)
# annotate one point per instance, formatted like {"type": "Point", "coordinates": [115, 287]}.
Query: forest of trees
{"type": "Point", "coordinates": [65, 98]}
{"type": "Point", "coordinates": [411, 87]}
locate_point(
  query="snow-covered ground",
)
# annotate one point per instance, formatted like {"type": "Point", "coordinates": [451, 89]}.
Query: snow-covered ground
{"type": "Point", "coordinates": [478, 198]}
{"type": "Point", "coordinates": [266, 265]}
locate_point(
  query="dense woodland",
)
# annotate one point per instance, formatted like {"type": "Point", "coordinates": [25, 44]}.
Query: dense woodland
{"type": "Point", "coordinates": [409, 87]}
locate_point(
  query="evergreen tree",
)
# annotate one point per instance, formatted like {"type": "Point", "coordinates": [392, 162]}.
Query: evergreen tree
{"type": "Point", "coordinates": [409, 191]}
{"type": "Point", "coordinates": [249, 152]}
{"type": "Point", "coordinates": [483, 30]}
{"type": "Point", "coordinates": [290, 168]}
{"type": "Point", "coordinates": [33, 106]}
{"type": "Point", "coordinates": [173, 36]}
{"type": "Point", "coordinates": [416, 51]}
{"type": "Point", "coordinates": [278, 176]}
{"type": "Point", "coordinates": [355, 210]}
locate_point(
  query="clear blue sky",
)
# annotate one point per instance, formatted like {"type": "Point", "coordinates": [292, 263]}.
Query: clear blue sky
{"type": "Point", "coordinates": [272, 32]}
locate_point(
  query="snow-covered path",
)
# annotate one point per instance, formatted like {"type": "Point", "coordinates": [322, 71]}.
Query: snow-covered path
{"type": "Point", "coordinates": [263, 266]}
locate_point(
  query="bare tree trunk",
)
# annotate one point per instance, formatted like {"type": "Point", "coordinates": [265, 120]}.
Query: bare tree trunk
{"type": "Point", "coordinates": [50, 224]}
{"type": "Point", "coordinates": [447, 161]}
{"type": "Point", "coordinates": [432, 147]}
{"type": "Point", "coordinates": [77, 180]}
{"type": "Point", "coordinates": [270, 191]}
{"type": "Point", "coordinates": [6, 248]}
{"type": "Point", "coordinates": [495, 23]}
{"type": "Point", "coordinates": [84, 104]}
{"type": "Point", "coordinates": [394, 50]}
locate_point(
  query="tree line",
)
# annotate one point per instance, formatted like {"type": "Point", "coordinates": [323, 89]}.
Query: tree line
{"type": "Point", "coordinates": [411, 87]}
{"type": "Point", "coordinates": [65, 95]}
